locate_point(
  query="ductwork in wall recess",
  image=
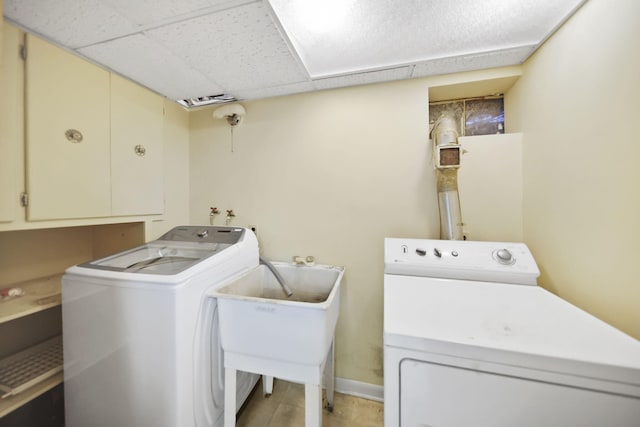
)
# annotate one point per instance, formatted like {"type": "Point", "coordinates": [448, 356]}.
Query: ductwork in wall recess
{"type": "Point", "coordinates": [446, 159]}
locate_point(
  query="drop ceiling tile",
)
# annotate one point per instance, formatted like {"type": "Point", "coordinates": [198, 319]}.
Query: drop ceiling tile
{"type": "Point", "coordinates": [241, 47]}
{"type": "Point", "coordinates": [475, 61]}
{"type": "Point", "coordinates": [193, 48]}
{"type": "Point", "coordinates": [269, 92]}
{"type": "Point", "coordinates": [145, 61]}
{"type": "Point", "coordinates": [70, 23]}
{"type": "Point", "coordinates": [147, 12]}
{"type": "Point", "coordinates": [363, 78]}
{"type": "Point", "coordinates": [349, 35]}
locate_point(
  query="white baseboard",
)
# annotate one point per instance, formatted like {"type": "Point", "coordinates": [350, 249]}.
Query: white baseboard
{"type": "Point", "coordinates": [360, 389]}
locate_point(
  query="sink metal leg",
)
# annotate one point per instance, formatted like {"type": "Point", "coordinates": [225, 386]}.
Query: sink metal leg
{"type": "Point", "coordinates": [312, 405]}
{"type": "Point", "coordinates": [267, 385]}
{"type": "Point", "coordinates": [229, 397]}
{"type": "Point", "coordinates": [330, 377]}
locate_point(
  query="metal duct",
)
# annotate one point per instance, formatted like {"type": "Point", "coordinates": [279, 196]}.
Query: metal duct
{"type": "Point", "coordinates": [446, 155]}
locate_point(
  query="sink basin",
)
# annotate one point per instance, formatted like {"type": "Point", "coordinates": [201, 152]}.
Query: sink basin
{"type": "Point", "coordinates": [259, 323]}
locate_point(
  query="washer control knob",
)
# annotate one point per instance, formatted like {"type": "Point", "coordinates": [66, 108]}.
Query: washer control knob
{"type": "Point", "coordinates": [421, 252]}
{"type": "Point", "coordinates": [454, 253]}
{"type": "Point", "coordinates": [203, 233]}
{"type": "Point", "coordinates": [437, 252]}
{"type": "Point", "coordinates": [503, 256]}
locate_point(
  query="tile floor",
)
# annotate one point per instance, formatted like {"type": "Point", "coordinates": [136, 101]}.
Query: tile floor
{"type": "Point", "coordinates": [285, 408]}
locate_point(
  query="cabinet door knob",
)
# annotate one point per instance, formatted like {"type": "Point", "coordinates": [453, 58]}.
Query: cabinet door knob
{"type": "Point", "coordinates": [74, 135]}
{"type": "Point", "coordinates": [140, 150]}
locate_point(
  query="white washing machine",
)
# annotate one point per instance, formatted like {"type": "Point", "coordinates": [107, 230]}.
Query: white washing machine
{"type": "Point", "coordinates": [470, 340]}
{"type": "Point", "coordinates": [141, 342]}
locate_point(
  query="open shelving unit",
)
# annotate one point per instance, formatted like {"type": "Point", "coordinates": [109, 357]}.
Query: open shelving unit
{"type": "Point", "coordinates": [39, 295]}
{"type": "Point", "coordinates": [34, 260]}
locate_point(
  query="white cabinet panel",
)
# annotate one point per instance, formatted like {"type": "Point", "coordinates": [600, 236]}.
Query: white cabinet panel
{"type": "Point", "coordinates": [11, 145]}
{"type": "Point", "coordinates": [66, 179]}
{"type": "Point", "coordinates": [490, 186]}
{"type": "Point", "coordinates": [136, 149]}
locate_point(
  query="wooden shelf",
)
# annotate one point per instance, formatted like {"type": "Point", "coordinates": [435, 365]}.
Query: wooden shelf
{"type": "Point", "coordinates": [14, 402]}
{"type": "Point", "coordinates": [39, 294]}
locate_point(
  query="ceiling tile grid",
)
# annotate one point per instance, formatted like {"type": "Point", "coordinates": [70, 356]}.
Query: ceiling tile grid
{"type": "Point", "coordinates": [476, 61]}
{"type": "Point", "coordinates": [379, 34]}
{"type": "Point", "coordinates": [363, 78]}
{"type": "Point", "coordinates": [259, 48]}
{"type": "Point", "coordinates": [269, 92]}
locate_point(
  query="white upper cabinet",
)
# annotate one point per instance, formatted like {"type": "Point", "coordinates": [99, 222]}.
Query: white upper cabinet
{"type": "Point", "coordinates": [94, 140]}
{"type": "Point", "coordinates": [67, 135]}
{"type": "Point", "coordinates": [136, 149]}
{"type": "Point", "coordinates": [10, 123]}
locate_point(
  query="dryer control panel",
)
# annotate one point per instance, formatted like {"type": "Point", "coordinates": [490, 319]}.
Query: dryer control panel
{"type": "Point", "coordinates": [461, 259]}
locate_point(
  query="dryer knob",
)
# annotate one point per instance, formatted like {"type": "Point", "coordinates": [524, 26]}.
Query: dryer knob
{"type": "Point", "coordinates": [503, 256]}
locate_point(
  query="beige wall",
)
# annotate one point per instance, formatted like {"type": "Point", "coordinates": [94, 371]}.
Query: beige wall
{"type": "Point", "coordinates": [577, 106]}
{"type": "Point", "coordinates": [330, 174]}
{"type": "Point", "coordinates": [176, 170]}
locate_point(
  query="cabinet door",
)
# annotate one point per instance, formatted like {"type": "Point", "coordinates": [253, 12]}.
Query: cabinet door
{"type": "Point", "coordinates": [136, 149]}
{"type": "Point", "coordinates": [67, 125]}
{"type": "Point", "coordinates": [11, 142]}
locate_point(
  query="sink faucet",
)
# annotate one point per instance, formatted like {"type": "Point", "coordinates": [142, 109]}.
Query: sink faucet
{"type": "Point", "coordinates": [298, 260]}
{"type": "Point", "coordinates": [279, 278]}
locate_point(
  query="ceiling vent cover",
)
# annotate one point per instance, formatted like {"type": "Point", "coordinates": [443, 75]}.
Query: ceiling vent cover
{"type": "Point", "coordinates": [206, 100]}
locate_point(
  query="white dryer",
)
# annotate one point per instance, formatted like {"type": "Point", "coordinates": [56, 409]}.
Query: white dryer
{"type": "Point", "coordinates": [141, 342]}
{"type": "Point", "coordinates": [470, 340]}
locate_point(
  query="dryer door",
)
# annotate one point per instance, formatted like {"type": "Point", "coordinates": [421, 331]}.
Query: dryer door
{"type": "Point", "coordinates": [440, 395]}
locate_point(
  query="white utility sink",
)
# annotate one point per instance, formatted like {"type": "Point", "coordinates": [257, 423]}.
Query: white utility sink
{"type": "Point", "coordinates": [258, 319]}
{"type": "Point", "coordinates": [265, 332]}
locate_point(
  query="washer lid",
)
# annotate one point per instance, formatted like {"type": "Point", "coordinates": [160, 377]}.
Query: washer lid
{"type": "Point", "coordinates": [177, 250]}
{"type": "Point", "coordinates": [156, 258]}
{"type": "Point", "coordinates": [523, 326]}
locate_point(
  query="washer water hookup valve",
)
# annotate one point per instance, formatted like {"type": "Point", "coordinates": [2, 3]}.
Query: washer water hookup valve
{"type": "Point", "coordinates": [230, 216]}
{"type": "Point", "coordinates": [212, 214]}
